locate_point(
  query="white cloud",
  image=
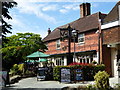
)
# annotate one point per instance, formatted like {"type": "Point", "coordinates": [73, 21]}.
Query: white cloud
{"type": "Point", "coordinates": [50, 8]}
{"type": "Point", "coordinates": [20, 26]}
{"type": "Point", "coordinates": [34, 8]}
{"type": "Point", "coordinates": [68, 7]}
{"type": "Point", "coordinates": [63, 10]}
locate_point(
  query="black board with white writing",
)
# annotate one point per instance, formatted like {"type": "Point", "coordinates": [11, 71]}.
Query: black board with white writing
{"type": "Point", "coordinates": [65, 75]}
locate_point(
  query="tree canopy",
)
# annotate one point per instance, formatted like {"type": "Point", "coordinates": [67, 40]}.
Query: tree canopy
{"type": "Point", "coordinates": [19, 46]}
{"type": "Point", "coordinates": [6, 5]}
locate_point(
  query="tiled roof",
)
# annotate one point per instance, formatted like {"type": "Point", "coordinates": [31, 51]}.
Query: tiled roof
{"type": "Point", "coordinates": [113, 15]}
{"type": "Point", "coordinates": [82, 25]}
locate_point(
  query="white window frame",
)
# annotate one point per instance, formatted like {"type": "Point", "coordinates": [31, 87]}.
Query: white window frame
{"type": "Point", "coordinates": [58, 43]}
{"type": "Point", "coordinates": [59, 61]}
{"type": "Point", "coordinates": [81, 36]}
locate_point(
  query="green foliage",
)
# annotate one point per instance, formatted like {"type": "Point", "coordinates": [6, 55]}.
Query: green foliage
{"type": "Point", "coordinates": [14, 70]}
{"type": "Point", "coordinates": [94, 62]}
{"type": "Point", "coordinates": [99, 67]}
{"type": "Point", "coordinates": [21, 67]}
{"type": "Point", "coordinates": [17, 69]}
{"type": "Point", "coordinates": [90, 87]}
{"type": "Point", "coordinates": [19, 46]}
{"type": "Point", "coordinates": [117, 87]}
{"type": "Point", "coordinates": [56, 72]}
{"type": "Point", "coordinates": [88, 70]}
{"type": "Point", "coordinates": [102, 80]}
{"type": "Point", "coordinates": [29, 73]}
{"type": "Point", "coordinates": [6, 5]}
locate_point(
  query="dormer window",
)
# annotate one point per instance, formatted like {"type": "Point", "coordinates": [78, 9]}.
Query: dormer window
{"type": "Point", "coordinates": [58, 44]}
{"type": "Point", "coordinates": [81, 38]}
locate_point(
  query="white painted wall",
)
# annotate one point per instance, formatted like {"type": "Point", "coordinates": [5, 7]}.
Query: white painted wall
{"type": "Point", "coordinates": [65, 61]}
{"type": "Point", "coordinates": [114, 62]}
{"type": "Point", "coordinates": [96, 58]}
{"type": "Point", "coordinates": [111, 24]}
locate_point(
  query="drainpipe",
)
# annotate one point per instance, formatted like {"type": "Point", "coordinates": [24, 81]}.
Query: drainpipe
{"type": "Point", "coordinates": [100, 43]}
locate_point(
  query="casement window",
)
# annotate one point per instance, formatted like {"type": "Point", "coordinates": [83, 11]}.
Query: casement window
{"type": "Point", "coordinates": [81, 38]}
{"type": "Point", "coordinates": [58, 44]}
{"type": "Point", "coordinates": [85, 59]}
{"type": "Point", "coordinates": [59, 61]}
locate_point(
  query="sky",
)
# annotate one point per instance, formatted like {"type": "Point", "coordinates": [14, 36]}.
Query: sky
{"type": "Point", "coordinates": [37, 16]}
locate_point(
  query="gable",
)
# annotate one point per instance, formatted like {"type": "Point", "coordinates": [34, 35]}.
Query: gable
{"type": "Point", "coordinates": [113, 15]}
{"type": "Point", "coordinates": [87, 23]}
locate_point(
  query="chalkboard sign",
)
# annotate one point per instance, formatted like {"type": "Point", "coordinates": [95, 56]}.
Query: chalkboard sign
{"type": "Point", "coordinates": [78, 75]}
{"type": "Point", "coordinates": [41, 74]}
{"type": "Point", "coordinates": [65, 75]}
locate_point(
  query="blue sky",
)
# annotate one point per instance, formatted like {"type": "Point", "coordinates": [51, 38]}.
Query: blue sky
{"type": "Point", "coordinates": [37, 17]}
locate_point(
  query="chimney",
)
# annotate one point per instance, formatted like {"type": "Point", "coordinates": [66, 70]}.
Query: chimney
{"type": "Point", "coordinates": [84, 9]}
{"type": "Point", "coordinates": [49, 31]}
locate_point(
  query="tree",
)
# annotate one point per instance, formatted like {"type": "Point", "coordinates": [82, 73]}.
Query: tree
{"type": "Point", "coordinates": [19, 46]}
{"type": "Point", "coordinates": [6, 5]}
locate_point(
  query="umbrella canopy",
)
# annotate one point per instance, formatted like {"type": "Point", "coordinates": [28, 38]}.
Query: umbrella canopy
{"type": "Point", "coordinates": [43, 60]}
{"type": "Point", "coordinates": [37, 54]}
{"type": "Point", "coordinates": [32, 61]}
{"type": "Point", "coordinates": [40, 60]}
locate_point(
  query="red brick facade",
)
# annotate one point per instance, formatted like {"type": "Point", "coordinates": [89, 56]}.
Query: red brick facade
{"type": "Point", "coordinates": [91, 43]}
{"type": "Point", "coordinates": [111, 35]}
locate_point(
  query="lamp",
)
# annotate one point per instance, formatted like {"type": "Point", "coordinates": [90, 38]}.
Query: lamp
{"type": "Point", "coordinates": [74, 34]}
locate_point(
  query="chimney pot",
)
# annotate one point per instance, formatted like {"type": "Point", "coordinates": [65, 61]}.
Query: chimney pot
{"type": "Point", "coordinates": [85, 9]}
{"type": "Point", "coordinates": [49, 31]}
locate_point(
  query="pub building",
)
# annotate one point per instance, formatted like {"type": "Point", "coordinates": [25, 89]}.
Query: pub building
{"type": "Point", "coordinates": [97, 39]}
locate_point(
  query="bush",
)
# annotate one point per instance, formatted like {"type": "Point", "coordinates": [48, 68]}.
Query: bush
{"type": "Point", "coordinates": [102, 80]}
{"type": "Point", "coordinates": [14, 70]}
{"type": "Point", "coordinates": [56, 72]}
{"type": "Point", "coordinates": [17, 69]}
{"type": "Point", "coordinates": [88, 70]}
{"type": "Point", "coordinates": [21, 68]}
{"type": "Point", "coordinates": [29, 73]}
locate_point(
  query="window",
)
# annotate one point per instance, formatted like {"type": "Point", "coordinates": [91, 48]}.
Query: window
{"type": "Point", "coordinates": [85, 59]}
{"type": "Point", "coordinates": [58, 44]}
{"type": "Point", "coordinates": [59, 61]}
{"type": "Point", "coordinates": [81, 38]}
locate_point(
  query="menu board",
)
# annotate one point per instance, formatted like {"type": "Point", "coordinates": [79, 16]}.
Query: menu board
{"type": "Point", "coordinates": [41, 73]}
{"type": "Point", "coordinates": [65, 75]}
{"type": "Point", "coordinates": [79, 75]}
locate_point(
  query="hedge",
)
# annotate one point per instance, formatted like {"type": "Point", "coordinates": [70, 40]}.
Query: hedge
{"type": "Point", "coordinates": [89, 71]}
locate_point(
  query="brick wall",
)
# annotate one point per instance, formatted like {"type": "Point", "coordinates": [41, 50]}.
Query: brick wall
{"type": "Point", "coordinates": [91, 43]}
{"type": "Point", "coordinates": [111, 35]}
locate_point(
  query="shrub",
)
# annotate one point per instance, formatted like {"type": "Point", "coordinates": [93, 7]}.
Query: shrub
{"type": "Point", "coordinates": [17, 69]}
{"type": "Point", "coordinates": [56, 72]}
{"type": "Point", "coordinates": [94, 62]}
{"type": "Point", "coordinates": [88, 70]}
{"type": "Point", "coordinates": [29, 73]}
{"type": "Point", "coordinates": [21, 68]}
{"type": "Point", "coordinates": [102, 80]}
{"type": "Point", "coordinates": [117, 86]}
{"type": "Point", "coordinates": [91, 87]}
{"type": "Point", "coordinates": [14, 70]}
{"type": "Point", "coordinates": [100, 67]}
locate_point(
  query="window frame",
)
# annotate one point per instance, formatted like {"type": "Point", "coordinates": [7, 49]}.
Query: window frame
{"type": "Point", "coordinates": [81, 36]}
{"type": "Point", "coordinates": [59, 61]}
{"type": "Point", "coordinates": [58, 44]}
